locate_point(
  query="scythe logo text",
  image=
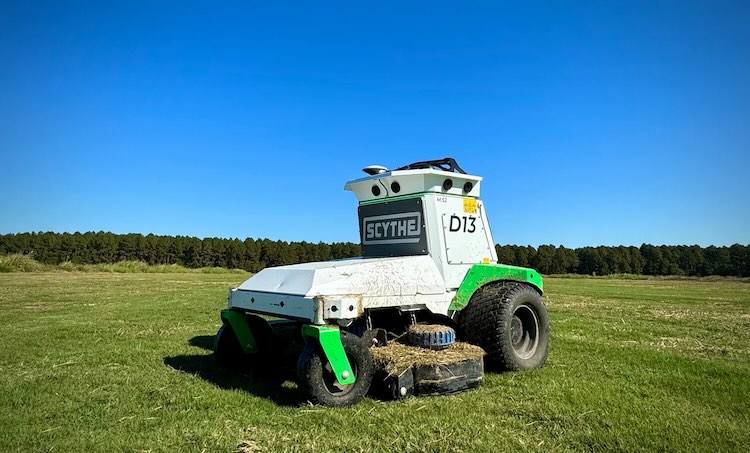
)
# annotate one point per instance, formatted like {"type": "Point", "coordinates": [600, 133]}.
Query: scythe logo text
{"type": "Point", "coordinates": [392, 229]}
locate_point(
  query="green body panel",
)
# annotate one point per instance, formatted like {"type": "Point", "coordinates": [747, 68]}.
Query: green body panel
{"type": "Point", "coordinates": [481, 274]}
{"type": "Point", "coordinates": [237, 320]}
{"type": "Point", "coordinates": [329, 338]}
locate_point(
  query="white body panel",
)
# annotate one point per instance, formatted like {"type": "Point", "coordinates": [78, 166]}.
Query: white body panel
{"type": "Point", "coordinates": [397, 276]}
{"type": "Point", "coordinates": [333, 290]}
{"type": "Point", "coordinates": [454, 252]}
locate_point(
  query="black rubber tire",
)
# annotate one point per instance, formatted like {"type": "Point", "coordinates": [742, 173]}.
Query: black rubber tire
{"type": "Point", "coordinates": [491, 320]}
{"type": "Point", "coordinates": [316, 379]}
{"type": "Point", "coordinates": [227, 350]}
{"type": "Point", "coordinates": [229, 353]}
{"type": "Point", "coordinates": [265, 340]}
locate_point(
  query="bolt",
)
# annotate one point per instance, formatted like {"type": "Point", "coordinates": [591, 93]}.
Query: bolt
{"type": "Point", "coordinates": [344, 374]}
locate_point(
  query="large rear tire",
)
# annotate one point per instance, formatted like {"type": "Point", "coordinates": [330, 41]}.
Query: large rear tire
{"type": "Point", "coordinates": [316, 376]}
{"type": "Point", "coordinates": [510, 322]}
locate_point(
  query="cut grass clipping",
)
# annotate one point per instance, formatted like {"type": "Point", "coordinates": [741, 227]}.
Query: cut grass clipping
{"type": "Point", "coordinates": [427, 328]}
{"type": "Point", "coordinates": [395, 358]}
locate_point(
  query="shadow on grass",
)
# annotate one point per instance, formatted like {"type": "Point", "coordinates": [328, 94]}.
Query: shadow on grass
{"type": "Point", "coordinates": [205, 367]}
{"type": "Point", "coordinates": [203, 341]}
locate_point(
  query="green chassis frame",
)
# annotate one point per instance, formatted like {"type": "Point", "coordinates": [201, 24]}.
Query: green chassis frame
{"type": "Point", "coordinates": [329, 338]}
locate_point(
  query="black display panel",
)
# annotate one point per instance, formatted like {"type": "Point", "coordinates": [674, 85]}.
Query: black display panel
{"type": "Point", "coordinates": [393, 228]}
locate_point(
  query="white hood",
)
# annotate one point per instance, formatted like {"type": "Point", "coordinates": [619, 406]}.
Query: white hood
{"type": "Point", "coordinates": [398, 276]}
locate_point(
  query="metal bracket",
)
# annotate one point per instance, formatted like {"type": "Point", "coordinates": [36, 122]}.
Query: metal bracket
{"type": "Point", "coordinates": [329, 338]}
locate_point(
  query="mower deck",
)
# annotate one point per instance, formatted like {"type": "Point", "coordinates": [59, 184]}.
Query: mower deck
{"type": "Point", "coordinates": [402, 370]}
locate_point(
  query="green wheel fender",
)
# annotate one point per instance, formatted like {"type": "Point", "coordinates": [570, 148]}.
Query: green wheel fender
{"type": "Point", "coordinates": [481, 274]}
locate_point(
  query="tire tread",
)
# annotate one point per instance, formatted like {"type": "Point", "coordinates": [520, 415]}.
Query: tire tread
{"type": "Point", "coordinates": [483, 323]}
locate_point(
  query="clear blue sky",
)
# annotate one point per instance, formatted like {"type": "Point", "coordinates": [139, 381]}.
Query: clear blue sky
{"type": "Point", "coordinates": [593, 123]}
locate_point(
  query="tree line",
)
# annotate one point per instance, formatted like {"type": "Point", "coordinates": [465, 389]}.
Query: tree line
{"type": "Point", "coordinates": [255, 254]}
{"type": "Point", "coordinates": [688, 260]}
{"type": "Point", "coordinates": [102, 247]}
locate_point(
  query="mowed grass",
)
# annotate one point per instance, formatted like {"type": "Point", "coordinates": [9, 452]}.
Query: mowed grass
{"type": "Point", "coordinates": [120, 362]}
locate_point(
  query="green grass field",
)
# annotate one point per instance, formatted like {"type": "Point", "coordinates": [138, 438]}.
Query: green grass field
{"type": "Point", "coordinates": [120, 362]}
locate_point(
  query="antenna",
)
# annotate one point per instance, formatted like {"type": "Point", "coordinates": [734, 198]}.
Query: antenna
{"type": "Point", "coordinates": [374, 170]}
